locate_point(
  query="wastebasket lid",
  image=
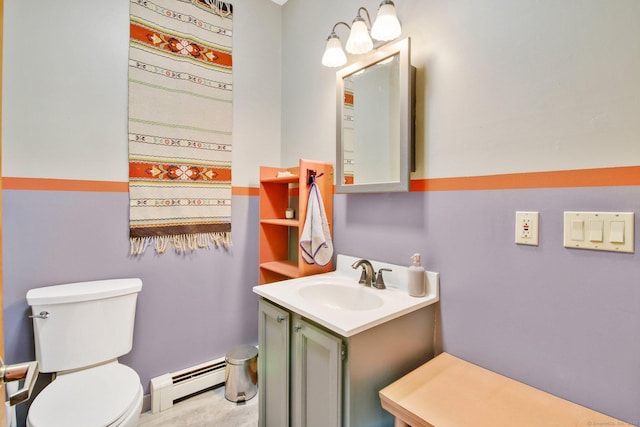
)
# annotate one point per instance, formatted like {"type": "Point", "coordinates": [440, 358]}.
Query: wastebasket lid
{"type": "Point", "coordinates": [241, 354]}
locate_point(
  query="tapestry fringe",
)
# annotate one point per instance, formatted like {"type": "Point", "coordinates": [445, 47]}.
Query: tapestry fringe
{"type": "Point", "coordinates": [182, 243]}
{"type": "Point", "coordinates": [220, 7]}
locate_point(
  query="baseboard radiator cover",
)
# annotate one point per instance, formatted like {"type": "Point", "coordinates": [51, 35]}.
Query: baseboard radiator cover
{"type": "Point", "coordinates": [168, 388]}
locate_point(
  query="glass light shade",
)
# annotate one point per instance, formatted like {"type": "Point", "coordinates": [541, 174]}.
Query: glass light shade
{"type": "Point", "coordinates": [334, 55]}
{"type": "Point", "coordinates": [386, 27]}
{"type": "Point", "coordinates": [359, 40]}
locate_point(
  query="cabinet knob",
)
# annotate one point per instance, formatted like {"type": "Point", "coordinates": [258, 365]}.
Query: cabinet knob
{"type": "Point", "coordinates": [297, 327]}
{"type": "Point", "coordinates": [280, 319]}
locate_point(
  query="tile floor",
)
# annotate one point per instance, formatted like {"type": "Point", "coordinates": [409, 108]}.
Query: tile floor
{"type": "Point", "coordinates": [209, 409]}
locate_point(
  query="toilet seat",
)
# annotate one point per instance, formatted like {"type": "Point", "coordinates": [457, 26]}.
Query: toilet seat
{"type": "Point", "coordinates": [104, 395]}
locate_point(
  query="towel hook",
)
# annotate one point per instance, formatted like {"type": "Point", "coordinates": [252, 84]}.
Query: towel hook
{"type": "Point", "coordinates": [312, 174]}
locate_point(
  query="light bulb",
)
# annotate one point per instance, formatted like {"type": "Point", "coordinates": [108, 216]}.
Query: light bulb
{"type": "Point", "coordinates": [386, 27]}
{"type": "Point", "coordinates": [359, 40]}
{"type": "Point", "coordinates": [333, 55]}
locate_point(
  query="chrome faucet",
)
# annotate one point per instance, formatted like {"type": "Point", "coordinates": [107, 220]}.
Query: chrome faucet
{"type": "Point", "coordinates": [368, 276]}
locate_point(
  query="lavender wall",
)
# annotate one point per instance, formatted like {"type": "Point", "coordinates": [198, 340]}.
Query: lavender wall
{"type": "Point", "coordinates": [192, 308]}
{"type": "Point", "coordinates": [563, 320]}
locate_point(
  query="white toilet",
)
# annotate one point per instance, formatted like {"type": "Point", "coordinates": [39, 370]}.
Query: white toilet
{"type": "Point", "coordinates": [80, 329]}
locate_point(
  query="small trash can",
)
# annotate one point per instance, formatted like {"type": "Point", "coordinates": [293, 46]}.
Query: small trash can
{"type": "Point", "coordinates": [241, 373]}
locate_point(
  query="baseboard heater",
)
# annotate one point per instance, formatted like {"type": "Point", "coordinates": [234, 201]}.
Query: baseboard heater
{"type": "Point", "coordinates": [168, 388]}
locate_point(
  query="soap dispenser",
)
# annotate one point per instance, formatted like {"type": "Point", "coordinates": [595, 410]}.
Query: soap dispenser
{"type": "Point", "coordinates": [417, 283]}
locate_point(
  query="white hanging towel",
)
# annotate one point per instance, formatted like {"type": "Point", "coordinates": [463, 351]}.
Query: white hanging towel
{"type": "Point", "coordinates": [315, 242]}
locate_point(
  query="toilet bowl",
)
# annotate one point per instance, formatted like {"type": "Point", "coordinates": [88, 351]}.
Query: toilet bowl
{"type": "Point", "coordinates": [80, 330]}
{"type": "Point", "coordinates": [106, 395]}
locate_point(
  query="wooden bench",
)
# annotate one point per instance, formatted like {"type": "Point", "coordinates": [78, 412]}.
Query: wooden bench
{"type": "Point", "coordinates": [449, 392]}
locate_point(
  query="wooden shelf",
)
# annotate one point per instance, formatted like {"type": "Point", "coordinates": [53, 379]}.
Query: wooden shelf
{"type": "Point", "coordinates": [278, 235]}
{"type": "Point", "coordinates": [270, 175]}
{"type": "Point", "coordinates": [285, 268]}
{"type": "Point", "coordinates": [281, 221]}
{"type": "Point", "coordinates": [292, 179]}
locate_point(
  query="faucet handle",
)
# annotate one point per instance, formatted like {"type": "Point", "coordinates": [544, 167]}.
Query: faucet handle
{"type": "Point", "coordinates": [380, 280]}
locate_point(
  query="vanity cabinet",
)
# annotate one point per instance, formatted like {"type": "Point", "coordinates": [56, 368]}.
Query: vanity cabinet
{"type": "Point", "coordinates": [300, 371]}
{"type": "Point", "coordinates": [316, 376]}
{"type": "Point", "coordinates": [281, 188]}
{"type": "Point", "coordinates": [311, 376]}
{"type": "Point", "coordinates": [273, 364]}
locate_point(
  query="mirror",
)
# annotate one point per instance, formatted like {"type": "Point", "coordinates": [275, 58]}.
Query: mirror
{"type": "Point", "coordinates": [374, 121]}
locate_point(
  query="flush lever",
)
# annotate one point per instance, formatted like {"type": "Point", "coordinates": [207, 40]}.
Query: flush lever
{"type": "Point", "coordinates": [41, 315]}
{"type": "Point", "coordinates": [22, 371]}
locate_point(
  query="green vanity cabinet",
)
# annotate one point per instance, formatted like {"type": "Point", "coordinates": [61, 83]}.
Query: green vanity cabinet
{"type": "Point", "coordinates": [273, 364]}
{"type": "Point", "coordinates": [310, 376]}
{"type": "Point", "coordinates": [316, 376]}
{"type": "Point", "coordinates": [299, 371]}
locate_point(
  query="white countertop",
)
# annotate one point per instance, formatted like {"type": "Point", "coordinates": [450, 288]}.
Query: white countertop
{"type": "Point", "coordinates": [396, 301]}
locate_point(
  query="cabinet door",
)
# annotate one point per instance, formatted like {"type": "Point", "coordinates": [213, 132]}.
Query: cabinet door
{"type": "Point", "coordinates": [316, 398]}
{"type": "Point", "coordinates": [273, 365]}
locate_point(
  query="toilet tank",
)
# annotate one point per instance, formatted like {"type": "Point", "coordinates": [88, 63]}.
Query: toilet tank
{"type": "Point", "coordinates": [87, 323]}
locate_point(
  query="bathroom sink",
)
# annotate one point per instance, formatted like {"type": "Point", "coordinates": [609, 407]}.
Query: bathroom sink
{"type": "Point", "coordinates": [341, 296]}
{"type": "Point", "coordinates": [336, 300]}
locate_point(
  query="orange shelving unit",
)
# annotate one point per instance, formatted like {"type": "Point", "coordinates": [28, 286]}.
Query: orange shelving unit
{"type": "Point", "coordinates": [279, 257]}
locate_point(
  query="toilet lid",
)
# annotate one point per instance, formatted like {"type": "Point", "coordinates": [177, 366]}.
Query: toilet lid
{"type": "Point", "coordinates": [92, 397]}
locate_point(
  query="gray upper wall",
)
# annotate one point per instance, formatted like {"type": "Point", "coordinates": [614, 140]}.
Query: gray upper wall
{"type": "Point", "coordinates": [503, 86]}
{"type": "Point", "coordinates": [65, 69]}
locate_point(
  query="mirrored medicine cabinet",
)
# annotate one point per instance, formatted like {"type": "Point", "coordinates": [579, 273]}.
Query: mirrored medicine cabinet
{"type": "Point", "coordinates": [375, 115]}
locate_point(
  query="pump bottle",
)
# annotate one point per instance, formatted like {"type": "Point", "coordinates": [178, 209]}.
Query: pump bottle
{"type": "Point", "coordinates": [417, 283]}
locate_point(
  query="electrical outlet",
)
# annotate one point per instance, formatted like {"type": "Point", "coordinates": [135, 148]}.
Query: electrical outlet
{"type": "Point", "coordinates": [527, 228]}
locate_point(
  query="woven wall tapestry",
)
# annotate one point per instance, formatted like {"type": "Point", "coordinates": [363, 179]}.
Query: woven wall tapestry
{"type": "Point", "coordinates": [180, 122]}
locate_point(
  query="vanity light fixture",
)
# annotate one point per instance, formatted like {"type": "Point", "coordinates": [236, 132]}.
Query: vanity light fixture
{"type": "Point", "coordinates": [359, 40]}
{"type": "Point", "coordinates": [386, 27]}
{"type": "Point", "coordinates": [334, 55]}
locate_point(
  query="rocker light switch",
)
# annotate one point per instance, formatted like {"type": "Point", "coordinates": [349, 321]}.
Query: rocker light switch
{"type": "Point", "coordinates": [616, 233]}
{"type": "Point", "coordinates": [595, 230]}
{"type": "Point", "coordinates": [600, 231]}
{"type": "Point", "coordinates": [577, 230]}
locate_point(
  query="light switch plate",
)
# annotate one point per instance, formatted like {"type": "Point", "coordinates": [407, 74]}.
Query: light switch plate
{"type": "Point", "coordinates": [527, 228]}
{"type": "Point", "coordinates": [603, 231]}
